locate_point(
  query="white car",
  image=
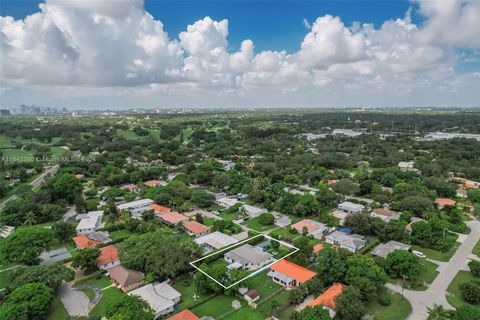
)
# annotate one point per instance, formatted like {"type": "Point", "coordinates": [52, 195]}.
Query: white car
{"type": "Point", "coordinates": [419, 254]}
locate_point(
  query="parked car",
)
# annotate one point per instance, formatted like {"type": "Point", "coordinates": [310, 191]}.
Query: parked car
{"type": "Point", "coordinates": [419, 254]}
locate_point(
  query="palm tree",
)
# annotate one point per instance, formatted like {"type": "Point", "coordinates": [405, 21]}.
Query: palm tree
{"type": "Point", "coordinates": [438, 312]}
{"type": "Point", "coordinates": [30, 218]}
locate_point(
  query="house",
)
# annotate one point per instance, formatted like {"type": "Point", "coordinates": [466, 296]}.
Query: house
{"type": "Point", "coordinates": [196, 229]}
{"type": "Point", "coordinates": [154, 183]}
{"type": "Point", "coordinates": [281, 220]}
{"type": "Point", "coordinates": [385, 214]}
{"type": "Point", "coordinates": [227, 164]}
{"type": "Point", "coordinates": [226, 202]}
{"type": "Point", "coordinates": [215, 241]}
{"type": "Point", "coordinates": [173, 218]}
{"type": "Point", "coordinates": [289, 274]}
{"type": "Point", "coordinates": [54, 256]}
{"type": "Point", "coordinates": [5, 231]}
{"type": "Point", "coordinates": [406, 165]}
{"type": "Point", "coordinates": [79, 176]}
{"type": "Point", "coordinates": [443, 202]}
{"type": "Point", "coordinates": [92, 239]}
{"type": "Point", "coordinates": [131, 187]}
{"type": "Point", "coordinates": [384, 249]}
{"type": "Point", "coordinates": [125, 279]}
{"type": "Point", "coordinates": [108, 257]}
{"type": "Point", "coordinates": [461, 193]}
{"type": "Point", "coordinates": [161, 297]}
{"type": "Point", "coordinates": [314, 228]}
{"type": "Point", "coordinates": [136, 207]}
{"type": "Point", "coordinates": [184, 315]}
{"type": "Point", "coordinates": [158, 209]}
{"type": "Point", "coordinates": [317, 248]}
{"type": "Point", "coordinates": [90, 222]}
{"type": "Point", "coordinates": [340, 215]}
{"type": "Point", "coordinates": [253, 211]}
{"type": "Point", "coordinates": [350, 207]}
{"type": "Point", "coordinates": [251, 258]}
{"type": "Point", "coordinates": [327, 298]}
{"type": "Point", "coordinates": [351, 242]}
{"type": "Point", "coordinates": [252, 296]}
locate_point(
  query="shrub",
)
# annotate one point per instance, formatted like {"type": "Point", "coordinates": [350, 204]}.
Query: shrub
{"type": "Point", "coordinates": [471, 292]}
{"type": "Point", "coordinates": [474, 267]}
{"type": "Point", "coordinates": [384, 300]}
{"type": "Point", "coordinates": [267, 219]}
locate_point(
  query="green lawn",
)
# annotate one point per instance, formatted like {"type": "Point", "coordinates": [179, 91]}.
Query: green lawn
{"type": "Point", "coordinates": [283, 233]}
{"type": "Point", "coordinates": [456, 298]}
{"type": "Point", "coordinates": [120, 234]}
{"type": "Point", "coordinates": [216, 307]}
{"type": "Point", "coordinates": [282, 298]}
{"type": "Point", "coordinates": [5, 142]}
{"type": "Point", "coordinates": [245, 312]}
{"type": "Point", "coordinates": [57, 152]}
{"type": "Point", "coordinates": [263, 284]}
{"type": "Point", "coordinates": [428, 274]}
{"type": "Point", "coordinates": [208, 221]}
{"type": "Point", "coordinates": [110, 295]}
{"type": "Point", "coordinates": [89, 293]}
{"type": "Point", "coordinates": [438, 255]}
{"type": "Point", "coordinates": [127, 134]}
{"type": "Point", "coordinates": [399, 309]}
{"type": "Point", "coordinates": [184, 285]}
{"type": "Point", "coordinates": [103, 282]}
{"type": "Point", "coordinates": [4, 278]}
{"type": "Point", "coordinates": [476, 249]}
{"type": "Point", "coordinates": [57, 310]}
{"type": "Point", "coordinates": [17, 153]}
{"type": "Point", "coordinates": [255, 225]}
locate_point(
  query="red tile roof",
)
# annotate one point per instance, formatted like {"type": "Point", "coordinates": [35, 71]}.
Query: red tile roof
{"type": "Point", "coordinates": [159, 208]}
{"type": "Point", "coordinates": [196, 227]}
{"type": "Point", "coordinates": [327, 298]}
{"type": "Point", "coordinates": [173, 217]}
{"type": "Point", "coordinates": [318, 247]}
{"type": "Point", "coordinates": [184, 315]}
{"type": "Point", "coordinates": [152, 183]}
{"type": "Point", "coordinates": [304, 223]}
{"type": "Point", "coordinates": [108, 254]}
{"type": "Point", "coordinates": [84, 242]}
{"type": "Point", "coordinates": [79, 176]}
{"type": "Point", "coordinates": [129, 187]}
{"type": "Point", "coordinates": [445, 202]}
{"type": "Point", "coordinates": [292, 270]}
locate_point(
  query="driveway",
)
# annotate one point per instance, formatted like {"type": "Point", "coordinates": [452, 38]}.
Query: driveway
{"type": "Point", "coordinates": [72, 211]}
{"type": "Point", "coordinates": [436, 292]}
{"type": "Point", "coordinates": [76, 302]}
{"type": "Point", "coordinates": [98, 293]}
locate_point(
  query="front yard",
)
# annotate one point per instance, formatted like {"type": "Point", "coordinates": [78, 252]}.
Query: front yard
{"type": "Point", "coordinates": [456, 299]}
{"type": "Point", "coordinates": [438, 255]}
{"type": "Point", "coordinates": [110, 295]}
{"type": "Point", "coordinates": [257, 226]}
{"type": "Point", "coordinates": [399, 308]}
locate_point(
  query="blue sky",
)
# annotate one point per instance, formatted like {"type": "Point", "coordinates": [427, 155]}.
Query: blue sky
{"type": "Point", "coordinates": [272, 25]}
{"type": "Point", "coordinates": [116, 54]}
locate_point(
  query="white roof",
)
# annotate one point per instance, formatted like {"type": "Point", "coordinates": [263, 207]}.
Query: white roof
{"type": "Point", "coordinates": [90, 221]}
{"type": "Point", "coordinates": [135, 204]}
{"type": "Point", "coordinates": [227, 201]}
{"type": "Point", "coordinates": [406, 164]}
{"type": "Point", "coordinates": [5, 231]}
{"type": "Point", "coordinates": [216, 239]}
{"type": "Point", "coordinates": [349, 240]}
{"type": "Point", "coordinates": [160, 296]}
{"type": "Point", "coordinates": [350, 206]}
{"type": "Point", "coordinates": [253, 209]}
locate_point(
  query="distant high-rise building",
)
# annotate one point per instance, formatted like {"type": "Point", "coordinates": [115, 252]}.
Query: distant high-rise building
{"type": "Point", "coordinates": [4, 112]}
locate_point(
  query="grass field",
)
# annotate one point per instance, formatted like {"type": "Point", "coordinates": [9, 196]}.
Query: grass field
{"type": "Point", "coordinates": [216, 307]}
{"type": "Point", "coordinates": [103, 282]}
{"type": "Point", "coordinates": [110, 295]}
{"type": "Point", "coordinates": [428, 274]}
{"type": "Point", "coordinates": [5, 142]}
{"type": "Point", "coordinates": [57, 310]}
{"type": "Point", "coordinates": [127, 134]}
{"type": "Point", "coordinates": [185, 286]}
{"type": "Point", "coordinates": [263, 284]}
{"type": "Point", "coordinates": [57, 152]}
{"type": "Point", "coordinates": [245, 312]}
{"type": "Point", "coordinates": [438, 255]}
{"type": "Point", "coordinates": [476, 249]}
{"type": "Point", "coordinates": [16, 153]}
{"type": "Point", "coordinates": [456, 298]}
{"type": "Point", "coordinates": [255, 225]}
{"type": "Point", "coordinates": [399, 309]}
{"type": "Point", "coordinates": [120, 234]}
{"type": "Point", "coordinates": [282, 299]}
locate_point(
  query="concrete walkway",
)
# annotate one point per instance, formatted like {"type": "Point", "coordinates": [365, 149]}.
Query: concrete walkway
{"type": "Point", "coordinates": [437, 291]}
{"type": "Point", "coordinates": [75, 301]}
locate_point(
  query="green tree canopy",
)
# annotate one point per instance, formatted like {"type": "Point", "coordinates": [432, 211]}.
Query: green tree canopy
{"type": "Point", "coordinates": [26, 244]}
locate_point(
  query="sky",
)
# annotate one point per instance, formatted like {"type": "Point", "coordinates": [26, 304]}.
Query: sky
{"type": "Point", "coordinates": [132, 53]}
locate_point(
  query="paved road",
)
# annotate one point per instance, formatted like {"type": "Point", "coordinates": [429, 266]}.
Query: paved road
{"type": "Point", "coordinates": [436, 292]}
{"type": "Point", "coordinates": [72, 211]}
{"type": "Point", "coordinates": [35, 183]}
{"type": "Point", "coordinates": [75, 301]}
{"type": "Point", "coordinates": [98, 293]}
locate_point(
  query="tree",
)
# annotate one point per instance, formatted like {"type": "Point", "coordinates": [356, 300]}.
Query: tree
{"type": "Point", "coordinates": [474, 266]}
{"type": "Point", "coordinates": [30, 218]}
{"type": "Point", "coordinates": [332, 265]}
{"type": "Point", "coordinates": [86, 258]}
{"type": "Point", "coordinates": [474, 195]}
{"type": "Point", "coordinates": [266, 219]}
{"type": "Point", "coordinates": [350, 305]}
{"type": "Point", "coordinates": [202, 198]}
{"type": "Point", "coordinates": [29, 301]}
{"type": "Point", "coordinates": [303, 255]}
{"type": "Point", "coordinates": [418, 205]}
{"type": "Point", "coordinates": [65, 186]}
{"type": "Point", "coordinates": [63, 231]}
{"type": "Point", "coordinates": [144, 253]}
{"type": "Point", "coordinates": [199, 218]}
{"type": "Point", "coordinates": [313, 313]}
{"type": "Point", "coordinates": [401, 263]}
{"type": "Point", "coordinates": [365, 274]}
{"type": "Point", "coordinates": [438, 312]}
{"type": "Point", "coordinates": [49, 275]}
{"type": "Point", "coordinates": [25, 245]}
{"type": "Point", "coordinates": [129, 308]}
{"type": "Point", "coordinates": [467, 312]}
{"type": "Point", "coordinates": [326, 197]}
{"type": "Point", "coordinates": [345, 187]}
{"type": "Point", "coordinates": [471, 291]}
{"type": "Point", "coordinates": [359, 223]}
